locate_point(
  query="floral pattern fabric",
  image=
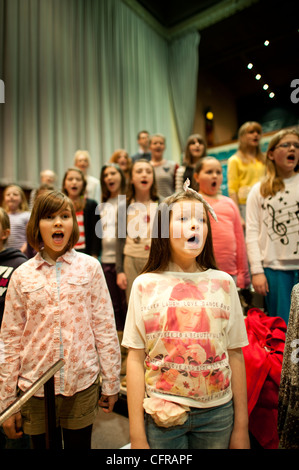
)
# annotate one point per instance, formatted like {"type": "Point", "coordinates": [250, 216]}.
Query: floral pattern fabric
{"type": "Point", "coordinates": [54, 312]}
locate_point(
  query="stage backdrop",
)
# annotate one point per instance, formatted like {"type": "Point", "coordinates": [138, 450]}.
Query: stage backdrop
{"type": "Point", "coordinates": [88, 74]}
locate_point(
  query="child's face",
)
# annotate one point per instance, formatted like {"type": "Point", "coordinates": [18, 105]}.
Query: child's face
{"type": "Point", "coordinates": [157, 146]}
{"type": "Point", "coordinates": [82, 162]}
{"type": "Point", "coordinates": [188, 231]}
{"type": "Point", "coordinates": [210, 177]}
{"type": "Point", "coordinates": [73, 184]}
{"type": "Point", "coordinates": [143, 140]}
{"type": "Point", "coordinates": [122, 161]}
{"type": "Point", "coordinates": [112, 179]}
{"type": "Point", "coordinates": [251, 137]}
{"type": "Point", "coordinates": [196, 149]}
{"type": "Point", "coordinates": [12, 199]}
{"type": "Point", "coordinates": [142, 176]}
{"type": "Point", "coordinates": [285, 156]}
{"type": "Point", "coordinates": [55, 231]}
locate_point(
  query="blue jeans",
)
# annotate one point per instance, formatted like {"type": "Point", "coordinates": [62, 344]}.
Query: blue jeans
{"type": "Point", "coordinates": [205, 428]}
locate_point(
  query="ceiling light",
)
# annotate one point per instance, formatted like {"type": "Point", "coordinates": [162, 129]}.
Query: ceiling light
{"type": "Point", "coordinates": [266, 43]}
{"type": "Point", "coordinates": [210, 115]}
{"type": "Point", "coordinates": [250, 65]}
{"type": "Point", "coordinates": [258, 76]}
{"type": "Point", "coordinates": [266, 86]}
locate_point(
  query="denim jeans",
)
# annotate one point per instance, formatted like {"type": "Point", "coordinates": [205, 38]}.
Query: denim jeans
{"type": "Point", "coordinates": [205, 428]}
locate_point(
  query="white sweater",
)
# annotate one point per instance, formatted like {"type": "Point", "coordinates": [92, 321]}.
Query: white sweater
{"type": "Point", "coordinates": [272, 228]}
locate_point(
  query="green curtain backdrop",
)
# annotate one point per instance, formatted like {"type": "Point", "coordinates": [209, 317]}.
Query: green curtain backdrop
{"type": "Point", "coordinates": [86, 74]}
{"type": "Point", "coordinates": [183, 71]}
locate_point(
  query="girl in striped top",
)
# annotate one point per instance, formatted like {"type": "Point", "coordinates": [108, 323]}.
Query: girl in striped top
{"type": "Point", "coordinates": [74, 185]}
{"type": "Point", "coordinates": [16, 206]}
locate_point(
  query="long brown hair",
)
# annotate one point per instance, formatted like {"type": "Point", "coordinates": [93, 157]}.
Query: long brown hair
{"type": "Point", "coordinates": [193, 138]}
{"type": "Point", "coordinates": [49, 203]}
{"type": "Point", "coordinates": [160, 251]}
{"type": "Point", "coordinates": [105, 190]}
{"type": "Point", "coordinates": [272, 183]}
{"type": "Point", "coordinates": [81, 203]}
{"type": "Point", "coordinates": [131, 189]}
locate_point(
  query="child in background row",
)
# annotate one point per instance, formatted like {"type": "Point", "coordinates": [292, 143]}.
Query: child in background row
{"type": "Point", "coordinates": [164, 169]}
{"type": "Point", "coordinates": [195, 149]}
{"type": "Point", "coordinates": [92, 189]}
{"type": "Point", "coordinates": [228, 237]}
{"type": "Point", "coordinates": [16, 206]}
{"type": "Point", "coordinates": [137, 217]}
{"type": "Point", "coordinates": [185, 332]}
{"type": "Point", "coordinates": [246, 167]}
{"type": "Point", "coordinates": [122, 159]}
{"type": "Point", "coordinates": [113, 184]}
{"type": "Point", "coordinates": [10, 258]}
{"type": "Point", "coordinates": [272, 225]}
{"type": "Point", "coordinates": [58, 306]}
{"type": "Point", "coordinates": [74, 186]}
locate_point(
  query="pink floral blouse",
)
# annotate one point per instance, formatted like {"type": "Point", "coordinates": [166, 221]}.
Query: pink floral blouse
{"type": "Point", "coordinates": [58, 311]}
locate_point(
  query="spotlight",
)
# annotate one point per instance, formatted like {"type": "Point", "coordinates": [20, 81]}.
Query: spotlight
{"type": "Point", "coordinates": [258, 76]}
{"type": "Point", "coordinates": [266, 43]}
{"type": "Point", "coordinates": [271, 95]}
{"type": "Point", "coordinates": [266, 86]}
{"type": "Point", "coordinates": [250, 65]}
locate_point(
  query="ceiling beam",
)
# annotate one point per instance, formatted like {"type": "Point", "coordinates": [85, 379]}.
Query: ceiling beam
{"type": "Point", "coordinates": [208, 17]}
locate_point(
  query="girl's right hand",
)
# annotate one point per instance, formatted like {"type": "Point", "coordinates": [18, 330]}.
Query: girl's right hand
{"type": "Point", "coordinates": [13, 425]}
{"type": "Point", "coordinates": [121, 281]}
{"type": "Point", "coordinates": [260, 284]}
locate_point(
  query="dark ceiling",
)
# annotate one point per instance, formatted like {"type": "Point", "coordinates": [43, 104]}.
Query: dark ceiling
{"type": "Point", "coordinates": [172, 12]}
{"type": "Point", "coordinates": [226, 47]}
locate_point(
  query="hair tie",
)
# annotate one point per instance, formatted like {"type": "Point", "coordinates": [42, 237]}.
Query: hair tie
{"type": "Point", "coordinates": [200, 198]}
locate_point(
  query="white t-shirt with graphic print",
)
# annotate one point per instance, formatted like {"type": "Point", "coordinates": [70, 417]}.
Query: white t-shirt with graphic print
{"type": "Point", "coordinates": [186, 322]}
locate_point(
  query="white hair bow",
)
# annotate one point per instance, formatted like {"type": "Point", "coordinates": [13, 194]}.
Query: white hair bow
{"type": "Point", "coordinates": [200, 198]}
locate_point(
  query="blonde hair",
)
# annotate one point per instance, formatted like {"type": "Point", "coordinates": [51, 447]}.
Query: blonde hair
{"type": "Point", "coordinates": [24, 204]}
{"type": "Point", "coordinates": [244, 129]}
{"type": "Point", "coordinates": [85, 153]}
{"type": "Point", "coordinates": [161, 136]}
{"type": "Point", "coordinates": [272, 183]}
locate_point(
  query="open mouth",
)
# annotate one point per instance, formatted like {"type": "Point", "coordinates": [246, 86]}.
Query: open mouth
{"type": "Point", "coordinates": [291, 158]}
{"type": "Point", "coordinates": [57, 236]}
{"type": "Point", "coordinates": [214, 184]}
{"type": "Point", "coordinates": [193, 241]}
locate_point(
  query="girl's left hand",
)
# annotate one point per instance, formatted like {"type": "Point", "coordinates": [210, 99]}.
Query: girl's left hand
{"type": "Point", "coordinates": [107, 402]}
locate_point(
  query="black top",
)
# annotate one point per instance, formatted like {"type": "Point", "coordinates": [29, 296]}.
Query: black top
{"type": "Point", "coordinates": [10, 259]}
